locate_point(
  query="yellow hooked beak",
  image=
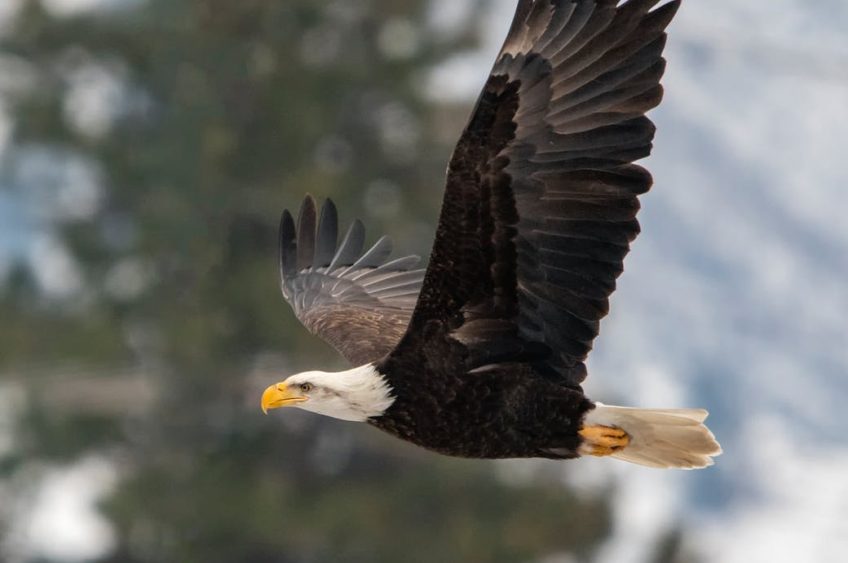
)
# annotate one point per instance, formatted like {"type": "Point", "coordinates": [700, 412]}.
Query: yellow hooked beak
{"type": "Point", "coordinates": [280, 395]}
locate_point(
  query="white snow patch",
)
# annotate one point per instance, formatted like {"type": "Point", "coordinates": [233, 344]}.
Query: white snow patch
{"type": "Point", "coordinates": [56, 271]}
{"type": "Point", "coordinates": [96, 97]}
{"type": "Point", "coordinates": [60, 522]}
{"type": "Point", "coordinates": [797, 509]}
{"type": "Point", "coordinates": [128, 278]}
{"type": "Point", "coordinates": [67, 8]}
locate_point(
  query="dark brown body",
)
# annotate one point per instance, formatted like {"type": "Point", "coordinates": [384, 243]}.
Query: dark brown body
{"type": "Point", "coordinates": [503, 410]}
{"type": "Point", "coordinates": [500, 414]}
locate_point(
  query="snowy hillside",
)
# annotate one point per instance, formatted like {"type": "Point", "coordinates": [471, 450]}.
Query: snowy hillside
{"type": "Point", "coordinates": [735, 295]}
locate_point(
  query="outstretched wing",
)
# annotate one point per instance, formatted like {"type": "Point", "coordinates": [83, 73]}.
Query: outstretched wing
{"type": "Point", "coordinates": [541, 198]}
{"type": "Point", "coordinates": [359, 302]}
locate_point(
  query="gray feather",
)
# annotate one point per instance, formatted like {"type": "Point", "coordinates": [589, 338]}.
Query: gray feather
{"type": "Point", "coordinates": [358, 302]}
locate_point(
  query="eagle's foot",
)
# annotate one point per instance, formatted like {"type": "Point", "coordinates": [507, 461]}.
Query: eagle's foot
{"type": "Point", "coordinates": [602, 440]}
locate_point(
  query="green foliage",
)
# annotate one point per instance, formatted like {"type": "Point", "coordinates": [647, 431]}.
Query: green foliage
{"type": "Point", "coordinates": [229, 112]}
{"type": "Point", "coordinates": [421, 511]}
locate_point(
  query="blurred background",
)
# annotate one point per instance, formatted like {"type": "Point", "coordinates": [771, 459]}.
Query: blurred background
{"type": "Point", "coordinates": [147, 148]}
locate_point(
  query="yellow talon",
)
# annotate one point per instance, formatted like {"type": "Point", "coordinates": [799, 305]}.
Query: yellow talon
{"type": "Point", "coordinates": [602, 440]}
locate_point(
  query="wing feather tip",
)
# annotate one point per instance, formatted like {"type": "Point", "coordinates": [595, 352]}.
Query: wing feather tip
{"type": "Point", "coordinates": [328, 234]}
{"type": "Point", "coordinates": [287, 245]}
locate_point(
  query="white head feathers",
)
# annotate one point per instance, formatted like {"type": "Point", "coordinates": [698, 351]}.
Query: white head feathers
{"type": "Point", "coordinates": [356, 394]}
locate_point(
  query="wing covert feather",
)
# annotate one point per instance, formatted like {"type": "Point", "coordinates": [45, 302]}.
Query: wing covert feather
{"type": "Point", "coordinates": [359, 303]}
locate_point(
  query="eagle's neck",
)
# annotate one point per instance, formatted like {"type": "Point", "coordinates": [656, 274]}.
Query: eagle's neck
{"type": "Point", "coordinates": [356, 394]}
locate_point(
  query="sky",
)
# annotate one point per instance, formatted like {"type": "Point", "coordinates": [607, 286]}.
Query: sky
{"type": "Point", "coordinates": [734, 295]}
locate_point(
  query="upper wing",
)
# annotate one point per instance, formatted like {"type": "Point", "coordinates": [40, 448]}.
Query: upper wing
{"type": "Point", "coordinates": [358, 302]}
{"type": "Point", "coordinates": [541, 198]}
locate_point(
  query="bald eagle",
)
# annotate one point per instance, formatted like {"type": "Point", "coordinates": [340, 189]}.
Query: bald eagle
{"type": "Point", "coordinates": [482, 354]}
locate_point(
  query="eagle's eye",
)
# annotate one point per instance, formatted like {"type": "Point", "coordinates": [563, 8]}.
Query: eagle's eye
{"type": "Point", "coordinates": [306, 387]}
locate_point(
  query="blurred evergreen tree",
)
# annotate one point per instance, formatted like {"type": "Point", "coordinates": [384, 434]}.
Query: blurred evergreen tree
{"type": "Point", "coordinates": [221, 114]}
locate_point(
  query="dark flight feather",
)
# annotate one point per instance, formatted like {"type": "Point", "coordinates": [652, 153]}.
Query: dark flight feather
{"type": "Point", "coordinates": [541, 197]}
{"type": "Point", "coordinates": [328, 235]}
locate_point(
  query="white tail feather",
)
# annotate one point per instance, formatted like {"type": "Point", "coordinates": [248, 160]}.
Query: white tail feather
{"type": "Point", "coordinates": [660, 437]}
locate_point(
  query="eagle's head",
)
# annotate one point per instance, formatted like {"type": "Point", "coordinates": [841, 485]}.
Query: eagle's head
{"type": "Point", "coordinates": [356, 394]}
